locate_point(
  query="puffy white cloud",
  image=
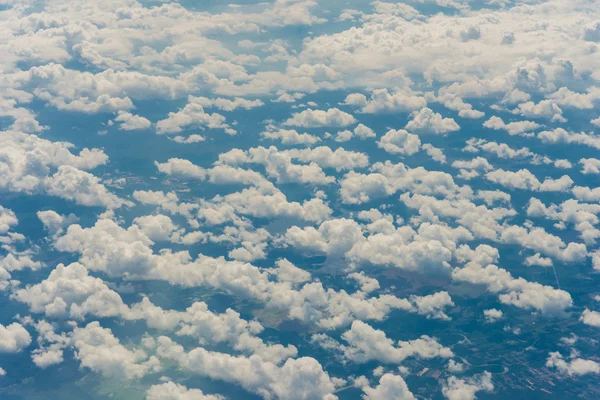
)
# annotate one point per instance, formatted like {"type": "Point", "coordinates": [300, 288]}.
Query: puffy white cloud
{"type": "Point", "coordinates": [382, 101]}
{"type": "Point", "coordinates": [525, 180]}
{"type": "Point", "coordinates": [55, 223]}
{"type": "Point", "coordinates": [513, 128]}
{"type": "Point", "coordinates": [492, 315]}
{"type": "Point", "coordinates": [513, 291]}
{"type": "Point", "coordinates": [576, 366]}
{"type": "Point", "coordinates": [435, 153]}
{"type": "Point", "coordinates": [156, 227]}
{"type": "Point", "coordinates": [290, 136]}
{"type": "Point", "coordinates": [279, 165]}
{"type": "Point", "coordinates": [590, 165]}
{"type": "Point", "coordinates": [301, 378]}
{"type": "Point", "coordinates": [426, 121]}
{"type": "Point", "coordinates": [455, 367]}
{"type": "Point", "coordinates": [325, 157]}
{"type": "Point", "coordinates": [173, 391]}
{"type": "Point", "coordinates": [181, 168]}
{"type": "Point", "coordinates": [386, 179]}
{"type": "Point", "coordinates": [98, 349]}
{"type": "Point", "coordinates": [70, 292]}
{"type": "Point", "coordinates": [390, 387]}
{"type": "Point", "coordinates": [192, 114]}
{"type": "Point", "coordinates": [319, 118]}
{"type": "Point", "coordinates": [8, 219]}
{"type": "Point", "coordinates": [195, 138]}
{"type": "Point", "coordinates": [402, 248]}
{"type": "Point", "coordinates": [13, 338]}
{"type": "Point", "coordinates": [226, 104]}
{"type": "Point", "coordinates": [109, 248]}
{"type": "Point", "coordinates": [543, 109]}
{"type": "Point", "coordinates": [366, 344]}
{"type": "Point", "coordinates": [288, 272]}
{"type": "Point", "coordinates": [465, 389]}
{"type": "Point", "coordinates": [130, 122]}
{"type": "Point", "coordinates": [399, 142]}
{"type": "Point", "coordinates": [590, 317]}
{"type": "Point", "coordinates": [27, 163]}
{"type": "Point", "coordinates": [82, 187]}
{"type": "Point", "coordinates": [560, 135]}
{"type": "Point", "coordinates": [209, 328]}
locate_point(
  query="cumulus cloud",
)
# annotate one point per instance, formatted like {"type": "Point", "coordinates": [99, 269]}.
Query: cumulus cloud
{"type": "Point", "coordinates": [173, 391]}
{"type": "Point", "coordinates": [400, 142]}
{"type": "Point", "coordinates": [426, 121]}
{"type": "Point", "coordinates": [576, 366]}
{"type": "Point", "coordinates": [319, 118]}
{"type": "Point", "coordinates": [98, 349]}
{"type": "Point", "coordinates": [13, 338]}
{"type": "Point", "coordinates": [367, 344]}
{"type": "Point", "coordinates": [390, 387]}
{"type": "Point", "coordinates": [465, 389]}
{"type": "Point", "coordinates": [130, 122]}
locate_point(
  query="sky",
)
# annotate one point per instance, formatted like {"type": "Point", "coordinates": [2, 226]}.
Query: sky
{"type": "Point", "coordinates": [293, 199]}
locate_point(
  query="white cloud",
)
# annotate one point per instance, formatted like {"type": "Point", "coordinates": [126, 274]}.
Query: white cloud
{"type": "Point", "coordinates": [13, 338]}
{"type": "Point", "coordinates": [513, 128]}
{"type": "Point", "coordinates": [130, 122]}
{"type": "Point", "coordinates": [301, 378]}
{"type": "Point", "coordinates": [590, 317]}
{"type": "Point", "coordinates": [192, 114]}
{"type": "Point", "coordinates": [590, 165]}
{"type": "Point", "coordinates": [319, 118]}
{"type": "Point", "coordinates": [173, 391]}
{"type": "Point", "coordinates": [390, 387]}
{"type": "Point", "coordinates": [99, 350]}
{"type": "Point", "coordinates": [426, 121]}
{"type": "Point", "coordinates": [290, 136]}
{"type": "Point", "coordinates": [82, 187]}
{"type": "Point", "coordinates": [465, 389]}
{"type": "Point", "coordinates": [576, 366]}
{"type": "Point", "coordinates": [382, 101]}
{"type": "Point", "coordinates": [181, 168]}
{"type": "Point", "coordinates": [226, 104]}
{"type": "Point", "coordinates": [156, 227]}
{"type": "Point", "coordinates": [492, 315]}
{"type": "Point", "coordinates": [70, 292]}
{"type": "Point", "coordinates": [366, 344]}
{"type": "Point", "coordinates": [399, 142]}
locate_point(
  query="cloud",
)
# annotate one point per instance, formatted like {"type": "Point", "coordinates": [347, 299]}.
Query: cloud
{"type": "Point", "coordinates": [301, 378]}
{"type": "Point", "coordinates": [70, 292]}
{"type": "Point", "coordinates": [173, 391]}
{"type": "Point", "coordinates": [590, 317]}
{"type": "Point", "coordinates": [390, 387]}
{"type": "Point", "coordinates": [492, 315]}
{"type": "Point", "coordinates": [192, 114]}
{"type": "Point", "coordinates": [399, 142]}
{"type": "Point", "coordinates": [130, 122]}
{"type": "Point", "coordinates": [465, 389]}
{"type": "Point", "coordinates": [82, 187]}
{"type": "Point", "coordinates": [367, 344]}
{"type": "Point", "coordinates": [319, 118]}
{"type": "Point", "coordinates": [576, 366]}
{"type": "Point", "coordinates": [13, 338]}
{"type": "Point", "coordinates": [382, 101]}
{"type": "Point", "coordinates": [426, 122]}
{"type": "Point", "coordinates": [99, 350]}
{"type": "Point", "coordinates": [181, 168]}
{"type": "Point", "coordinates": [513, 128]}
{"type": "Point", "coordinates": [290, 136]}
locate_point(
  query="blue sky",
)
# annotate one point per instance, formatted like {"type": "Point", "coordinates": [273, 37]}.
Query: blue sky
{"type": "Point", "coordinates": [295, 199]}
